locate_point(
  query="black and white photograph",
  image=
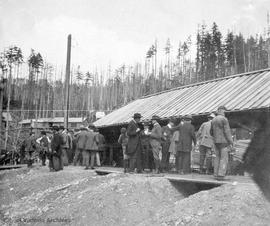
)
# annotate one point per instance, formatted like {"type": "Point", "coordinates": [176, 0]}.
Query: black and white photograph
{"type": "Point", "coordinates": [135, 112]}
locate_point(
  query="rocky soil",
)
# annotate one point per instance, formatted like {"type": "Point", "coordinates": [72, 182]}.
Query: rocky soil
{"type": "Point", "coordinates": [79, 197]}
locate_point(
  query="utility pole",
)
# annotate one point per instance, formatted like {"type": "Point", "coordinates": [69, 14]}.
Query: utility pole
{"type": "Point", "coordinates": [67, 82]}
{"type": "Point", "coordinates": [2, 86]}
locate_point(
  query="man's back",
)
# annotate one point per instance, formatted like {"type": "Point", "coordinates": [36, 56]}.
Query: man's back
{"type": "Point", "coordinates": [81, 139]}
{"type": "Point", "coordinates": [187, 135]}
{"type": "Point", "coordinates": [221, 131]}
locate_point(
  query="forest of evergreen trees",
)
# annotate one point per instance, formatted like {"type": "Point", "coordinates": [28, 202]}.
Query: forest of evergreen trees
{"type": "Point", "coordinates": [40, 92]}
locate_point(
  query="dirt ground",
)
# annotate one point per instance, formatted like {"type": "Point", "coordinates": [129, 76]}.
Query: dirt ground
{"type": "Point", "coordinates": [79, 197]}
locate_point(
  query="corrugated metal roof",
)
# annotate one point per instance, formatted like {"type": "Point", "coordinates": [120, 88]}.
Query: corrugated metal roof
{"type": "Point", "coordinates": [238, 92]}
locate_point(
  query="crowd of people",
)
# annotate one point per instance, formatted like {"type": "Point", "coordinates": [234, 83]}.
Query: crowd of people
{"type": "Point", "coordinates": [64, 147]}
{"type": "Point", "coordinates": [152, 149]}
{"type": "Point", "coordinates": [145, 146]}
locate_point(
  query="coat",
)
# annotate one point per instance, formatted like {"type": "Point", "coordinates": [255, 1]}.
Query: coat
{"type": "Point", "coordinates": [204, 135]}
{"type": "Point", "coordinates": [123, 139]}
{"type": "Point", "coordinates": [156, 132]}
{"type": "Point", "coordinates": [81, 139]}
{"type": "Point", "coordinates": [91, 141]}
{"type": "Point", "coordinates": [101, 142]}
{"type": "Point", "coordinates": [166, 134]}
{"type": "Point", "coordinates": [220, 130]}
{"type": "Point", "coordinates": [186, 136]}
{"type": "Point", "coordinates": [56, 144]}
{"type": "Point", "coordinates": [133, 138]}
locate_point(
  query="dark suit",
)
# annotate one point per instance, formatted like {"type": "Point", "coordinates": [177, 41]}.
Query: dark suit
{"type": "Point", "coordinates": [56, 146]}
{"type": "Point", "coordinates": [134, 146]}
{"type": "Point", "coordinates": [184, 146]}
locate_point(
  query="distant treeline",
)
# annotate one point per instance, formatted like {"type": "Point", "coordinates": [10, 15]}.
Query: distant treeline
{"type": "Point", "coordinates": [39, 94]}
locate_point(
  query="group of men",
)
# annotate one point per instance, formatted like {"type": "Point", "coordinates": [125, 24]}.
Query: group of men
{"type": "Point", "coordinates": [214, 136]}
{"type": "Point", "coordinates": [65, 147]}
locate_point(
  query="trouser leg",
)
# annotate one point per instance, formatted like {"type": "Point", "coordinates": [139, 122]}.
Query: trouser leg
{"type": "Point", "coordinates": [223, 163]}
{"type": "Point", "coordinates": [139, 159]}
{"type": "Point", "coordinates": [186, 162]}
{"type": "Point", "coordinates": [203, 151]}
{"type": "Point", "coordinates": [180, 161]}
{"type": "Point", "coordinates": [217, 160]}
{"type": "Point", "coordinates": [61, 162]}
{"type": "Point", "coordinates": [165, 151]}
{"type": "Point", "coordinates": [85, 154]}
{"type": "Point", "coordinates": [92, 154]}
{"type": "Point", "coordinates": [156, 149]}
{"type": "Point", "coordinates": [177, 161]}
{"type": "Point", "coordinates": [64, 156]}
{"type": "Point", "coordinates": [76, 156]}
{"type": "Point", "coordinates": [132, 163]}
{"type": "Point", "coordinates": [98, 158]}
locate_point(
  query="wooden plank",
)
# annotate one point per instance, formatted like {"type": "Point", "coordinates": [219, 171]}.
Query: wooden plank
{"type": "Point", "coordinates": [5, 167]}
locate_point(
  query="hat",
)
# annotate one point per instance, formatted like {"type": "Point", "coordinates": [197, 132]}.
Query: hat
{"type": "Point", "coordinates": [91, 126]}
{"type": "Point", "coordinates": [172, 119]}
{"type": "Point", "coordinates": [212, 115]}
{"type": "Point", "coordinates": [61, 127]}
{"type": "Point", "coordinates": [222, 107]}
{"type": "Point", "coordinates": [43, 132]}
{"type": "Point", "coordinates": [189, 117]}
{"type": "Point", "coordinates": [55, 128]}
{"type": "Point", "coordinates": [137, 115]}
{"type": "Point", "coordinates": [82, 127]}
{"type": "Point", "coordinates": [155, 117]}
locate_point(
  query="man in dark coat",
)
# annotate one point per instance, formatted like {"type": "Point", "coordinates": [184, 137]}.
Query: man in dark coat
{"type": "Point", "coordinates": [134, 143]}
{"type": "Point", "coordinates": [184, 145]}
{"type": "Point", "coordinates": [56, 146]}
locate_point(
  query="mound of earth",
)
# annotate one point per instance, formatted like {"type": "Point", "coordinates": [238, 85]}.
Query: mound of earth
{"type": "Point", "coordinates": [80, 197]}
{"type": "Point", "coordinates": [225, 205]}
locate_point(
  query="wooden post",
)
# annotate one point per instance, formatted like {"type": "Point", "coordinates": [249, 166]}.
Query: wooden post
{"type": "Point", "coordinates": [67, 82]}
{"type": "Point", "coordinates": [2, 86]}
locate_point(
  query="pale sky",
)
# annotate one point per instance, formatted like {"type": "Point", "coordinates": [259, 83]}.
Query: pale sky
{"type": "Point", "coordinates": [118, 31]}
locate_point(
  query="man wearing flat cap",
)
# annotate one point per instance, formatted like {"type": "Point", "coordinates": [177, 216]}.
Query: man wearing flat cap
{"type": "Point", "coordinates": [155, 141]}
{"type": "Point", "coordinates": [221, 132]}
{"type": "Point", "coordinates": [134, 144]}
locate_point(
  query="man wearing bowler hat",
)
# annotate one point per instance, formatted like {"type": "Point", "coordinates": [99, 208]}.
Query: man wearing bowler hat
{"type": "Point", "coordinates": [221, 132]}
{"type": "Point", "coordinates": [134, 144]}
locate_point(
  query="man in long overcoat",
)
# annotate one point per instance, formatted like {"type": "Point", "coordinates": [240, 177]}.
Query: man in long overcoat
{"type": "Point", "coordinates": [184, 145]}
{"type": "Point", "coordinates": [134, 143]}
{"type": "Point", "coordinates": [56, 147]}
